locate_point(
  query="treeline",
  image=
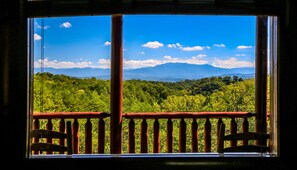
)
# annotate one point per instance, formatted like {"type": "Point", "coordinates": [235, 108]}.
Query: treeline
{"type": "Point", "coordinates": [61, 93]}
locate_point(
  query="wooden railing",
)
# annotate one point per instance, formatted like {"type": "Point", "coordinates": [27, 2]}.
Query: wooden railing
{"type": "Point", "coordinates": [62, 116]}
{"type": "Point", "coordinates": [208, 117]}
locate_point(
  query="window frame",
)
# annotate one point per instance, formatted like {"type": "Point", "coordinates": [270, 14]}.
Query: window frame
{"type": "Point", "coordinates": [164, 162]}
{"type": "Point", "coordinates": [117, 75]}
{"type": "Point", "coordinates": [117, 58]}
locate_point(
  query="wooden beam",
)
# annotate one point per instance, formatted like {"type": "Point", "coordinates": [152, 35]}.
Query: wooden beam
{"type": "Point", "coordinates": [261, 74]}
{"type": "Point", "coordinates": [116, 85]}
{"type": "Point", "coordinates": [52, 8]}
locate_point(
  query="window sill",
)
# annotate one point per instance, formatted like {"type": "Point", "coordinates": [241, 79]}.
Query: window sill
{"type": "Point", "coordinates": [156, 155]}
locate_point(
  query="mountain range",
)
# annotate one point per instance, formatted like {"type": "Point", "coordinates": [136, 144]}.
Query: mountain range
{"type": "Point", "coordinates": [165, 72]}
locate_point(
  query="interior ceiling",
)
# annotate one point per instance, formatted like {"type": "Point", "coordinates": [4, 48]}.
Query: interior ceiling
{"type": "Point", "coordinates": [47, 8]}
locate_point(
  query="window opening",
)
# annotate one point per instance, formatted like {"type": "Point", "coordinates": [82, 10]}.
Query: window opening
{"type": "Point", "coordinates": [72, 79]}
{"type": "Point", "coordinates": [176, 97]}
{"type": "Point", "coordinates": [193, 48]}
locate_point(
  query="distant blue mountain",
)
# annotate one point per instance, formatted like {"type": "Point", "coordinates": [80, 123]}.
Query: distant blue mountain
{"type": "Point", "coordinates": [164, 72]}
{"type": "Point", "coordinates": [78, 72]}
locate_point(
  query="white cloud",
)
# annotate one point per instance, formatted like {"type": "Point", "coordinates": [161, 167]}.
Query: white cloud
{"type": "Point", "coordinates": [104, 63]}
{"type": "Point", "coordinates": [167, 57]}
{"type": "Point", "coordinates": [219, 45]}
{"type": "Point", "coordinates": [201, 55]}
{"type": "Point", "coordinates": [153, 44]}
{"type": "Point", "coordinates": [39, 26]}
{"type": "Point", "coordinates": [176, 45]}
{"type": "Point", "coordinates": [37, 37]}
{"type": "Point", "coordinates": [107, 43]}
{"type": "Point", "coordinates": [193, 60]}
{"type": "Point", "coordinates": [195, 48]}
{"type": "Point", "coordinates": [62, 64]}
{"type": "Point", "coordinates": [130, 64]}
{"type": "Point", "coordinates": [142, 53]}
{"type": "Point", "coordinates": [45, 27]}
{"type": "Point", "coordinates": [232, 63]}
{"type": "Point", "coordinates": [243, 47]}
{"type": "Point", "coordinates": [171, 46]}
{"type": "Point", "coordinates": [133, 64]}
{"type": "Point", "coordinates": [240, 55]}
{"type": "Point", "coordinates": [66, 25]}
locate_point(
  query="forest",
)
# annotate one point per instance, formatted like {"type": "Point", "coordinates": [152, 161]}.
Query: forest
{"type": "Point", "coordinates": [61, 93]}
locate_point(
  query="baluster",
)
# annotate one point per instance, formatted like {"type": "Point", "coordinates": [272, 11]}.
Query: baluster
{"type": "Point", "coordinates": [62, 129]}
{"type": "Point", "coordinates": [233, 131]}
{"type": "Point", "coordinates": [182, 136]}
{"type": "Point", "coordinates": [194, 136]}
{"type": "Point", "coordinates": [207, 136]}
{"type": "Point", "coordinates": [101, 136]}
{"type": "Point", "coordinates": [156, 136]}
{"type": "Point", "coordinates": [49, 126]}
{"type": "Point", "coordinates": [245, 128]}
{"type": "Point", "coordinates": [218, 129]}
{"type": "Point", "coordinates": [143, 136]}
{"type": "Point", "coordinates": [75, 137]}
{"type": "Point", "coordinates": [169, 135]}
{"type": "Point", "coordinates": [131, 136]}
{"type": "Point", "coordinates": [88, 136]}
{"type": "Point", "coordinates": [36, 126]}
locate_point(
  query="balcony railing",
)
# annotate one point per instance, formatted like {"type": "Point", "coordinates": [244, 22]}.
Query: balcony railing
{"type": "Point", "coordinates": [184, 120]}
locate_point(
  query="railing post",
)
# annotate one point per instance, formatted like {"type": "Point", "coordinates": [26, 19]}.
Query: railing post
{"type": "Point", "coordinates": [101, 135]}
{"type": "Point", "coordinates": [36, 126]}
{"type": "Point", "coordinates": [233, 131]}
{"type": "Point", "coordinates": [143, 136]}
{"type": "Point", "coordinates": [218, 129]}
{"type": "Point", "coordinates": [131, 136]}
{"type": "Point", "coordinates": [182, 136]}
{"type": "Point", "coordinates": [75, 137]}
{"type": "Point", "coordinates": [156, 136]}
{"type": "Point", "coordinates": [88, 136]}
{"type": "Point", "coordinates": [194, 136]}
{"type": "Point", "coordinates": [207, 136]}
{"type": "Point", "coordinates": [245, 128]}
{"type": "Point", "coordinates": [49, 126]}
{"type": "Point", "coordinates": [62, 129]}
{"type": "Point", "coordinates": [169, 135]}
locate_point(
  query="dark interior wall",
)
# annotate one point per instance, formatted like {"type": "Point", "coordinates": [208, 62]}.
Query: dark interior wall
{"type": "Point", "coordinates": [287, 77]}
{"type": "Point", "coordinates": [13, 70]}
{"type": "Point", "coordinates": [13, 98]}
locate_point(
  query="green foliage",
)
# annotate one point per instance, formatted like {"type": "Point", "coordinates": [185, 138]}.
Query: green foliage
{"type": "Point", "coordinates": [184, 103]}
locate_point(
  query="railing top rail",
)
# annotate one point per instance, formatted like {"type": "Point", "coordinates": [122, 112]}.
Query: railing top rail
{"type": "Point", "coordinates": [179, 115]}
{"type": "Point", "coordinates": [69, 115]}
{"type": "Point", "coordinates": [143, 115]}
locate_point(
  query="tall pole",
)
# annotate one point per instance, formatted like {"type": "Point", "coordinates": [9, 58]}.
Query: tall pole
{"type": "Point", "coordinates": [261, 74]}
{"type": "Point", "coordinates": [116, 85]}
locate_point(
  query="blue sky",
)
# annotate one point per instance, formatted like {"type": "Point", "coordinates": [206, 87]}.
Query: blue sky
{"type": "Point", "coordinates": [149, 40]}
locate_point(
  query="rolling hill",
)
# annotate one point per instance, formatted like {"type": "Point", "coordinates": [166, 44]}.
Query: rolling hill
{"type": "Point", "coordinates": [163, 72]}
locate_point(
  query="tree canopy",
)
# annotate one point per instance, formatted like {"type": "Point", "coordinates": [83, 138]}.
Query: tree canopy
{"type": "Point", "coordinates": [61, 93]}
